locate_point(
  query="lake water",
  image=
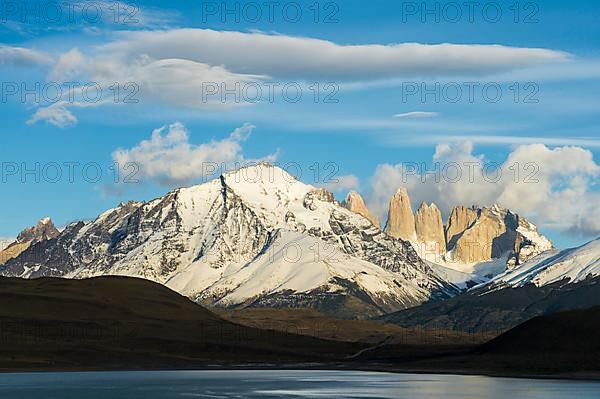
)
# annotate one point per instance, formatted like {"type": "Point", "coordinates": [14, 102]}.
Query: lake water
{"type": "Point", "coordinates": [283, 384]}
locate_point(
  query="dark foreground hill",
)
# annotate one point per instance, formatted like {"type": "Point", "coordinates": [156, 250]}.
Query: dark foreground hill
{"type": "Point", "coordinates": [125, 323]}
{"type": "Point", "coordinates": [565, 332]}
{"type": "Point", "coordinates": [565, 344]}
{"type": "Point", "coordinates": [113, 323]}
{"type": "Point", "coordinates": [501, 310]}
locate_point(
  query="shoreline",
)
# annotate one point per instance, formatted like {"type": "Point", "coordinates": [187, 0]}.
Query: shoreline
{"type": "Point", "coordinates": [381, 368]}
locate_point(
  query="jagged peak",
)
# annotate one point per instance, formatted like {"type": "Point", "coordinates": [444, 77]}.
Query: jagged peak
{"type": "Point", "coordinates": [42, 225]}
{"type": "Point", "coordinates": [352, 197]}
{"type": "Point", "coordinates": [45, 221]}
{"type": "Point", "coordinates": [355, 203]}
{"type": "Point", "coordinates": [402, 191]}
{"type": "Point", "coordinates": [43, 230]}
{"type": "Point", "coordinates": [430, 207]}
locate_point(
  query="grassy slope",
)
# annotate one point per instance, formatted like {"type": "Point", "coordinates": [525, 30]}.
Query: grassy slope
{"type": "Point", "coordinates": [315, 324]}
{"type": "Point", "coordinates": [113, 322]}
{"type": "Point", "coordinates": [124, 323]}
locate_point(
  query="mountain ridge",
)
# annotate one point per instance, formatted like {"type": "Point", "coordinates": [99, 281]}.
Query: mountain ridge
{"type": "Point", "coordinates": [207, 241]}
{"type": "Point", "coordinates": [258, 237]}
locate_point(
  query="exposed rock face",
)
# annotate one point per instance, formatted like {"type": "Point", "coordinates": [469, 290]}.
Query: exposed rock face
{"type": "Point", "coordinates": [495, 232]}
{"type": "Point", "coordinates": [401, 221]}
{"type": "Point", "coordinates": [42, 231]}
{"type": "Point", "coordinates": [318, 194]}
{"type": "Point", "coordinates": [471, 235]}
{"type": "Point", "coordinates": [487, 238]}
{"type": "Point", "coordinates": [430, 231]}
{"type": "Point", "coordinates": [356, 204]}
{"type": "Point", "coordinates": [460, 219]}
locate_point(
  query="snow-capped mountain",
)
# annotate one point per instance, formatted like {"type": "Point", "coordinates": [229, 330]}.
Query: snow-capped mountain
{"type": "Point", "coordinates": [569, 266]}
{"type": "Point", "coordinates": [253, 237]}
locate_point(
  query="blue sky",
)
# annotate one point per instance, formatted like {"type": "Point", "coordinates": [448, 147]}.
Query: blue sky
{"type": "Point", "coordinates": [368, 59]}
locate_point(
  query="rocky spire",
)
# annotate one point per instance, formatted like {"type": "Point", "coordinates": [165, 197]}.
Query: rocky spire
{"type": "Point", "coordinates": [356, 204]}
{"type": "Point", "coordinates": [401, 221]}
{"type": "Point", "coordinates": [430, 230]}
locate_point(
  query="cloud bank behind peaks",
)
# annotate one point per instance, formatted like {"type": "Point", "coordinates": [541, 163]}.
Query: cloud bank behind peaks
{"type": "Point", "coordinates": [556, 187]}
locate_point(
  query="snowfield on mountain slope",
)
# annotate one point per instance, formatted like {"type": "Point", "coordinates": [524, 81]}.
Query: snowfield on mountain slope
{"type": "Point", "coordinates": [294, 262]}
{"type": "Point", "coordinates": [463, 274]}
{"type": "Point", "coordinates": [571, 265]}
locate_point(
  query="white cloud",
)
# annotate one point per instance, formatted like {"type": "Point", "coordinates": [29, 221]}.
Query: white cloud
{"type": "Point", "coordinates": [169, 159]}
{"type": "Point", "coordinates": [67, 66]}
{"type": "Point", "coordinates": [417, 114]}
{"type": "Point", "coordinates": [173, 82]}
{"type": "Point", "coordinates": [20, 56]}
{"type": "Point", "coordinates": [555, 187]}
{"type": "Point", "coordinates": [307, 58]}
{"type": "Point", "coordinates": [57, 114]}
{"type": "Point", "coordinates": [196, 68]}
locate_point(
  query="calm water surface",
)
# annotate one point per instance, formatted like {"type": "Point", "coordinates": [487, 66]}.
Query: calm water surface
{"type": "Point", "coordinates": [283, 384]}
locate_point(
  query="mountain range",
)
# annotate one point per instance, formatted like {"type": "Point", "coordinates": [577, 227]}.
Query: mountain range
{"type": "Point", "coordinates": [254, 237]}
{"type": "Point", "coordinates": [260, 238]}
